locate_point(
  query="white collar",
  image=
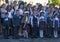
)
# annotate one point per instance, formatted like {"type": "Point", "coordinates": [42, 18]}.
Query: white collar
{"type": "Point", "coordinates": [56, 19]}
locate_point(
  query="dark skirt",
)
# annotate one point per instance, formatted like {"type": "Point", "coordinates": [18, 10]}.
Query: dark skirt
{"type": "Point", "coordinates": [26, 27]}
{"type": "Point", "coordinates": [42, 26]}
{"type": "Point", "coordinates": [56, 28]}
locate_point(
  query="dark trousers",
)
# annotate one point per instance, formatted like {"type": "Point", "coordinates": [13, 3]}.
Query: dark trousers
{"type": "Point", "coordinates": [6, 32]}
{"type": "Point", "coordinates": [50, 31]}
{"type": "Point", "coordinates": [11, 31]}
{"type": "Point", "coordinates": [34, 31]}
{"type": "Point", "coordinates": [15, 32]}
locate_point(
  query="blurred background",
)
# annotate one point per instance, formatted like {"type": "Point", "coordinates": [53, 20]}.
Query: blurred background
{"type": "Point", "coordinates": [33, 2]}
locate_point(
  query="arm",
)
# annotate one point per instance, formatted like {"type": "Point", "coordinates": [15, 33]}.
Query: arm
{"type": "Point", "coordinates": [58, 23]}
{"type": "Point", "coordinates": [53, 23]}
{"type": "Point", "coordinates": [25, 21]}
{"type": "Point", "coordinates": [13, 19]}
{"type": "Point", "coordinates": [38, 22]}
{"type": "Point", "coordinates": [31, 21]}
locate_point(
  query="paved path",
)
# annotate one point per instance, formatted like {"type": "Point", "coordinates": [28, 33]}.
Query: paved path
{"type": "Point", "coordinates": [32, 40]}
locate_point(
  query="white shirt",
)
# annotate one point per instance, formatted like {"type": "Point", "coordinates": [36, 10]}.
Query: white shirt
{"type": "Point", "coordinates": [56, 18]}
{"type": "Point", "coordinates": [12, 10]}
{"type": "Point", "coordinates": [27, 19]}
{"type": "Point", "coordinates": [6, 5]}
{"type": "Point", "coordinates": [3, 10]}
{"type": "Point", "coordinates": [16, 7]}
{"type": "Point", "coordinates": [31, 19]}
{"type": "Point", "coordinates": [6, 19]}
{"type": "Point", "coordinates": [10, 15]}
{"type": "Point", "coordinates": [42, 17]}
{"type": "Point", "coordinates": [21, 11]}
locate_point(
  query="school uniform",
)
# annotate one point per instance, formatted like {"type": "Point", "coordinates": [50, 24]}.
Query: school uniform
{"type": "Point", "coordinates": [34, 24]}
{"type": "Point", "coordinates": [26, 28]}
{"type": "Point", "coordinates": [20, 18]}
{"type": "Point", "coordinates": [59, 13]}
{"type": "Point", "coordinates": [0, 24]}
{"type": "Point", "coordinates": [21, 11]}
{"type": "Point", "coordinates": [10, 17]}
{"type": "Point", "coordinates": [16, 24]}
{"type": "Point", "coordinates": [31, 25]}
{"type": "Point", "coordinates": [21, 25]}
{"type": "Point", "coordinates": [21, 14]}
{"type": "Point", "coordinates": [6, 24]}
{"type": "Point", "coordinates": [49, 25]}
{"type": "Point", "coordinates": [42, 25]}
{"type": "Point", "coordinates": [16, 7]}
{"type": "Point", "coordinates": [55, 26]}
{"type": "Point", "coordinates": [3, 11]}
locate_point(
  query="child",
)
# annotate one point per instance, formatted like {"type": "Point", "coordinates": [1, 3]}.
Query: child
{"type": "Point", "coordinates": [26, 24]}
{"type": "Point", "coordinates": [34, 23]}
{"type": "Point", "coordinates": [55, 25]}
{"type": "Point", "coordinates": [6, 24]}
{"type": "Point", "coordinates": [42, 23]}
{"type": "Point", "coordinates": [16, 24]}
{"type": "Point", "coordinates": [49, 24]}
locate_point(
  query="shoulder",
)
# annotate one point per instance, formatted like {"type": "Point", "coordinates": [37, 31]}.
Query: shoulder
{"type": "Point", "coordinates": [31, 16]}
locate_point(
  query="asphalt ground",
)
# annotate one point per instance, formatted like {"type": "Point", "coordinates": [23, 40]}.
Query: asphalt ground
{"type": "Point", "coordinates": [32, 40]}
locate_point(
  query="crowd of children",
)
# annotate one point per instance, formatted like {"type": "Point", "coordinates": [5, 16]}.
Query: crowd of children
{"type": "Point", "coordinates": [29, 20]}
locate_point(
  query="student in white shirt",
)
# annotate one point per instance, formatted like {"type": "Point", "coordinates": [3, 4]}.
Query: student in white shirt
{"type": "Point", "coordinates": [42, 23]}
{"type": "Point", "coordinates": [34, 24]}
{"type": "Point", "coordinates": [55, 25]}
{"type": "Point", "coordinates": [26, 24]}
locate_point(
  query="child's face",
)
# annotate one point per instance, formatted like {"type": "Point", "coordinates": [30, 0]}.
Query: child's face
{"type": "Point", "coordinates": [42, 14]}
{"type": "Point", "coordinates": [34, 12]}
{"type": "Point", "coordinates": [17, 12]}
{"type": "Point", "coordinates": [9, 7]}
{"type": "Point", "coordinates": [21, 6]}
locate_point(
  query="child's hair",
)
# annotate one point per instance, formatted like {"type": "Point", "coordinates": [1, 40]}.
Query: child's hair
{"type": "Point", "coordinates": [8, 8]}
{"type": "Point", "coordinates": [56, 15]}
{"type": "Point", "coordinates": [42, 13]}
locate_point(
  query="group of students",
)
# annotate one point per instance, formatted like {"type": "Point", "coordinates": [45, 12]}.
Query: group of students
{"type": "Point", "coordinates": [31, 21]}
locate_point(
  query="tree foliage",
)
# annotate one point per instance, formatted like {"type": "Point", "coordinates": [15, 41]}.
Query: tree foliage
{"type": "Point", "coordinates": [54, 2]}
